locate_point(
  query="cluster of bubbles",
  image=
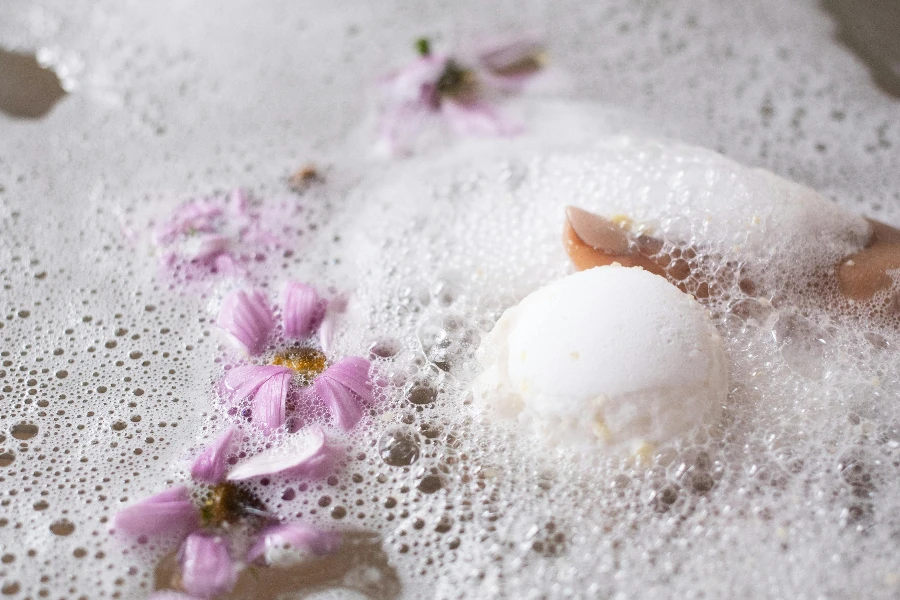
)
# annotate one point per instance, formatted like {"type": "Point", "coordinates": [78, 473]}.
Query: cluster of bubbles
{"type": "Point", "coordinates": [108, 369]}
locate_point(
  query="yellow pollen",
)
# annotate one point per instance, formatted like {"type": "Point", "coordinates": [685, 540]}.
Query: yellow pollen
{"type": "Point", "coordinates": [305, 362]}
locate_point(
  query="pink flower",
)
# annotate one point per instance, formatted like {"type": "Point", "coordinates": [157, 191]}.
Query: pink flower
{"type": "Point", "coordinates": [216, 235]}
{"type": "Point", "coordinates": [438, 87]}
{"type": "Point", "coordinates": [303, 454]}
{"type": "Point", "coordinates": [206, 566]}
{"type": "Point", "coordinates": [289, 544]}
{"type": "Point", "coordinates": [168, 513]}
{"type": "Point", "coordinates": [343, 387]}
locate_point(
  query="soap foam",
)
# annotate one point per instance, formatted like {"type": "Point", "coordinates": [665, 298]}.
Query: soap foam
{"type": "Point", "coordinates": [115, 367]}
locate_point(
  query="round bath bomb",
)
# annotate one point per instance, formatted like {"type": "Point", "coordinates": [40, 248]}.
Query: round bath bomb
{"type": "Point", "coordinates": [610, 357]}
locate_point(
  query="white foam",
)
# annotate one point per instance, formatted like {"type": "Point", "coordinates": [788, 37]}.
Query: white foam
{"type": "Point", "coordinates": [795, 495]}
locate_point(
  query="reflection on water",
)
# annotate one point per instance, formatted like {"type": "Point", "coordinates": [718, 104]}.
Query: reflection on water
{"type": "Point", "coordinates": [359, 567]}
{"type": "Point", "coordinates": [27, 90]}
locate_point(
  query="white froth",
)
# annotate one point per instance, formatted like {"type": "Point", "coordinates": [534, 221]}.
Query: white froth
{"type": "Point", "coordinates": [796, 494]}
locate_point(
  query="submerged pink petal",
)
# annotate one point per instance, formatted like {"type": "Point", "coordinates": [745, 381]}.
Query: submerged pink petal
{"type": "Point", "coordinates": [344, 387]}
{"type": "Point", "coordinates": [336, 306]}
{"type": "Point", "coordinates": [206, 566]}
{"type": "Point", "coordinates": [168, 513]}
{"type": "Point", "coordinates": [246, 316]}
{"type": "Point", "coordinates": [210, 466]}
{"type": "Point", "coordinates": [207, 247]}
{"type": "Point", "coordinates": [478, 118]}
{"type": "Point", "coordinates": [193, 217]}
{"type": "Point", "coordinates": [292, 543]}
{"type": "Point", "coordinates": [266, 386]}
{"type": "Point", "coordinates": [302, 310]}
{"type": "Point", "coordinates": [303, 454]}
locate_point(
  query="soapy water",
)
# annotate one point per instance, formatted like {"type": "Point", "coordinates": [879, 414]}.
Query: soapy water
{"type": "Point", "coordinates": [107, 369]}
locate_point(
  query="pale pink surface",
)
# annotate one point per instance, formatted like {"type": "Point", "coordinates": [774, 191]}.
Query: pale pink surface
{"type": "Point", "coordinates": [297, 536]}
{"type": "Point", "coordinates": [168, 513]}
{"type": "Point", "coordinates": [206, 566]}
{"type": "Point", "coordinates": [304, 454]}
{"type": "Point", "coordinates": [246, 316]}
{"type": "Point", "coordinates": [210, 466]}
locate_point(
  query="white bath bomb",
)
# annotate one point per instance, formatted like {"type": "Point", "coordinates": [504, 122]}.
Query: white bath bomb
{"type": "Point", "coordinates": [610, 357]}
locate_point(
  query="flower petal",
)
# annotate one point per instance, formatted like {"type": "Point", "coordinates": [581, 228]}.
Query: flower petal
{"type": "Point", "coordinates": [210, 466]}
{"type": "Point", "coordinates": [266, 386]}
{"type": "Point", "coordinates": [353, 373]}
{"type": "Point", "coordinates": [170, 595]}
{"type": "Point", "coordinates": [340, 401]}
{"type": "Point", "coordinates": [292, 543]}
{"type": "Point", "coordinates": [243, 382]}
{"type": "Point", "coordinates": [344, 387]}
{"type": "Point", "coordinates": [508, 64]}
{"type": "Point", "coordinates": [168, 513]}
{"type": "Point", "coordinates": [246, 316]}
{"type": "Point", "coordinates": [238, 201]}
{"type": "Point", "coordinates": [302, 310]}
{"type": "Point", "coordinates": [206, 566]}
{"type": "Point", "coordinates": [270, 402]}
{"type": "Point", "coordinates": [304, 454]}
{"type": "Point", "coordinates": [477, 118]}
{"type": "Point", "coordinates": [409, 96]}
{"type": "Point", "coordinates": [205, 248]}
{"type": "Point", "coordinates": [336, 306]}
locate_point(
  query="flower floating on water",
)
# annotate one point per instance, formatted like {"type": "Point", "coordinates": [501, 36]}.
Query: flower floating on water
{"type": "Point", "coordinates": [209, 535]}
{"type": "Point", "coordinates": [441, 86]}
{"type": "Point", "coordinates": [216, 235]}
{"type": "Point", "coordinates": [299, 372]}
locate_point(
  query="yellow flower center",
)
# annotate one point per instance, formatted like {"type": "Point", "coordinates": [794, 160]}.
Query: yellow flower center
{"type": "Point", "coordinates": [305, 362]}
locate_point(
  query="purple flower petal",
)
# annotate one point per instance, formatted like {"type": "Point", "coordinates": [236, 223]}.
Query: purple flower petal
{"type": "Point", "coordinates": [478, 118]}
{"type": "Point", "coordinates": [266, 386]}
{"type": "Point", "coordinates": [292, 543]}
{"type": "Point", "coordinates": [246, 316]}
{"type": "Point", "coordinates": [270, 402]}
{"type": "Point", "coordinates": [343, 387]}
{"type": "Point", "coordinates": [409, 96]}
{"type": "Point", "coordinates": [302, 310]}
{"type": "Point", "coordinates": [168, 513]}
{"type": "Point", "coordinates": [206, 566]}
{"type": "Point", "coordinates": [303, 454]}
{"type": "Point", "coordinates": [336, 306]}
{"type": "Point", "coordinates": [210, 466]}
